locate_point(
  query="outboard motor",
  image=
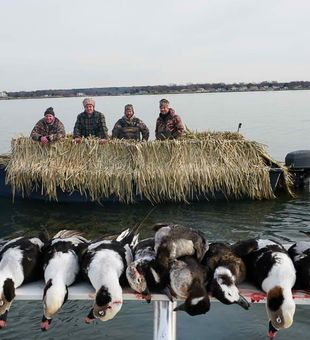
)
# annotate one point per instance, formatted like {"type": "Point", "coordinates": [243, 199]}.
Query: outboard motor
{"type": "Point", "coordinates": [298, 163]}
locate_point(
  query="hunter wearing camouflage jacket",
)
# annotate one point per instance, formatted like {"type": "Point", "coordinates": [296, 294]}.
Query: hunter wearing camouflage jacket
{"type": "Point", "coordinates": [130, 129]}
{"type": "Point", "coordinates": [53, 131]}
{"type": "Point", "coordinates": [169, 126]}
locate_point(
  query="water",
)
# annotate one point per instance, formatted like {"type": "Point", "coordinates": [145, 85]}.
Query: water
{"type": "Point", "coordinates": [278, 119]}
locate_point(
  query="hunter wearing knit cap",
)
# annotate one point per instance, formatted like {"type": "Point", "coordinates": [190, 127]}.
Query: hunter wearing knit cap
{"type": "Point", "coordinates": [168, 125]}
{"type": "Point", "coordinates": [48, 129]}
{"type": "Point", "coordinates": [130, 127]}
{"type": "Point", "coordinates": [49, 111]}
{"type": "Point", "coordinates": [88, 101]}
{"type": "Point", "coordinates": [90, 123]}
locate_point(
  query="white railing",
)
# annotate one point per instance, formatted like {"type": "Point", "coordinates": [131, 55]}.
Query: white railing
{"type": "Point", "coordinates": [164, 317]}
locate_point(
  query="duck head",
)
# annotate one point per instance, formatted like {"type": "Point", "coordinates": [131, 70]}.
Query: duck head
{"type": "Point", "coordinates": [137, 281]}
{"type": "Point", "coordinates": [224, 289]}
{"type": "Point", "coordinates": [104, 308]}
{"type": "Point", "coordinates": [6, 298]}
{"type": "Point", "coordinates": [54, 296]}
{"type": "Point", "coordinates": [280, 307]}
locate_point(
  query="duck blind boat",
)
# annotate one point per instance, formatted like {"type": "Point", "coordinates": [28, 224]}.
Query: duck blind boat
{"type": "Point", "coordinates": [201, 166]}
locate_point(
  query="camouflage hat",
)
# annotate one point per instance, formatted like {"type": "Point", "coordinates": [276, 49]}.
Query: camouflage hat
{"type": "Point", "coordinates": [88, 101]}
{"type": "Point", "coordinates": [49, 111]}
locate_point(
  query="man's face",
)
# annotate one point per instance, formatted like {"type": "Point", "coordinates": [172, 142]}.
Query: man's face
{"type": "Point", "coordinates": [89, 108]}
{"type": "Point", "coordinates": [164, 109]}
{"type": "Point", "coordinates": [128, 113]}
{"type": "Point", "coordinates": [49, 119]}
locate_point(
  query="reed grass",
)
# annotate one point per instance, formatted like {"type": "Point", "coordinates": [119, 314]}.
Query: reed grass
{"type": "Point", "coordinates": [173, 170]}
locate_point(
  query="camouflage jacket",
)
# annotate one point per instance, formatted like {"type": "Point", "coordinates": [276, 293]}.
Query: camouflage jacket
{"type": "Point", "coordinates": [53, 131]}
{"type": "Point", "coordinates": [169, 126]}
{"type": "Point", "coordinates": [130, 129]}
{"type": "Point", "coordinates": [90, 126]}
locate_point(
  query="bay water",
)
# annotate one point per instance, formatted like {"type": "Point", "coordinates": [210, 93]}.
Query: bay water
{"type": "Point", "coordinates": [280, 120]}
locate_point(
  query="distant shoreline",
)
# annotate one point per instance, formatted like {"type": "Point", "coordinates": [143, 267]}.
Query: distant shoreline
{"type": "Point", "coordinates": [158, 90]}
{"type": "Point", "coordinates": [146, 94]}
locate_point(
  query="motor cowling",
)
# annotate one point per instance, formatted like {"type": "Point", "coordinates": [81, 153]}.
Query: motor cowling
{"type": "Point", "coordinates": [298, 163]}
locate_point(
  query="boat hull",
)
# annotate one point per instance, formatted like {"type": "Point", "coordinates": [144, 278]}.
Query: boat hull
{"type": "Point", "coordinates": [77, 197]}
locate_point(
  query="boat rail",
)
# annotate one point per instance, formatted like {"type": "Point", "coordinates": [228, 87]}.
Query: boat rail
{"type": "Point", "coordinates": [164, 319]}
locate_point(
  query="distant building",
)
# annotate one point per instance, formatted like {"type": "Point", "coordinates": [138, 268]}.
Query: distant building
{"type": "Point", "coordinates": [3, 94]}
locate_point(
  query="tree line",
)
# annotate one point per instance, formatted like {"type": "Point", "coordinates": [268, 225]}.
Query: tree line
{"type": "Point", "coordinates": [162, 89]}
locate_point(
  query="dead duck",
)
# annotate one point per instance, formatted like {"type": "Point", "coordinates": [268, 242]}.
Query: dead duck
{"type": "Point", "coordinates": [141, 272]}
{"type": "Point", "coordinates": [225, 271]}
{"type": "Point", "coordinates": [104, 262]}
{"type": "Point", "coordinates": [173, 241]}
{"type": "Point", "coordinates": [61, 268]}
{"type": "Point", "coordinates": [272, 270]}
{"type": "Point", "coordinates": [300, 255]}
{"type": "Point", "coordinates": [20, 262]}
{"type": "Point", "coordinates": [187, 280]}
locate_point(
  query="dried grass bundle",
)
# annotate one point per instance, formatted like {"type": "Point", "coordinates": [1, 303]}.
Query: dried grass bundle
{"type": "Point", "coordinates": [4, 159]}
{"type": "Point", "coordinates": [172, 170]}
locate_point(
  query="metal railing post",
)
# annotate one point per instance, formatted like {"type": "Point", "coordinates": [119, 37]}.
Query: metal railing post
{"type": "Point", "coordinates": [164, 320]}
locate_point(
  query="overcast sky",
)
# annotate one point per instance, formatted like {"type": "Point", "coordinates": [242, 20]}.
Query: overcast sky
{"type": "Point", "coordinates": [53, 44]}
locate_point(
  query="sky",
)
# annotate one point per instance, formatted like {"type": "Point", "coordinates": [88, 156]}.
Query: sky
{"type": "Point", "coordinates": [63, 44]}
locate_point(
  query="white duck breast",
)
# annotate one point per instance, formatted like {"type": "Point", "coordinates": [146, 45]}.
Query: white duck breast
{"type": "Point", "coordinates": [63, 266]}
{"type": "Point", "coordinates": [272, 269]}
{"type": "Point", "coordinates": [281, 273]}
{"type": "Point", "coordinates": [60, 271]}
{"type": "Point", "coordinates": [104, 266]}
{"type": "Point", "coordinates": [19, 262]}
{"type": "Point", "coordinates": [11, 266]}
{"type": "Point", "coordinates": [104, 262]}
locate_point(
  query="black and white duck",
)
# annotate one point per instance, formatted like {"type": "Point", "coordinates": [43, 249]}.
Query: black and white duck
{"type": "Point", "coordinates": [225, 271]}
{"type": "Point", "coordinates": [104, 262]}
{"type": "Point", "coordinates": [20, 262]}
{"type": "Point", "coordinates": [61, 268]}
{"type": "Point", "coordinates": [272, 270]}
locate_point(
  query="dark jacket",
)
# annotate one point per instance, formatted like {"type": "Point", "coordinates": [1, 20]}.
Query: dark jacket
{"type": "Point", "coordinates": [53, 131]}
{"type": "Point", "coordinates": [130, 129]}
{"type": "Point", "coordinates": [90, 126]}
{"type": "Point", "coordinates": [169, 126]}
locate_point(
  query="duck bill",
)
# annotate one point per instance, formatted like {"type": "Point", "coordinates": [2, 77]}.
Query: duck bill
{"type": "Point", "coordinates": [180, 307]}
{"type": "Point", "coordinates": [243, 302]}
{"type": "Point", "coordinates": [90, 317]}
{"type": "Point", "coordinates": [146, 294]}
{"type": "Point", "coordinates": [45, 323]}
{"type": "Point", "coordinates": [168, 293]}
{"type": "Point", "coordinates": [272, 331]}
{"type": "Point", "coordinates": [3, 319]}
